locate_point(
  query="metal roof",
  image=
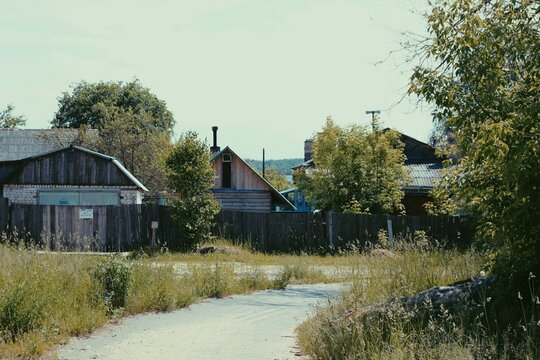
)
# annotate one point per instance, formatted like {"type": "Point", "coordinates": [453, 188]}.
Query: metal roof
{"type": "Point", "coordinates": [424, 176]}
{"type": "Point", "coordinates": [17, 144]}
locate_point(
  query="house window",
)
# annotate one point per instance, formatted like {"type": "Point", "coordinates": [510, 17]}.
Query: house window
{"type": "Point", "coordinates": [78, 198]}
{"type": "Point", "coordinates": [226, 171]}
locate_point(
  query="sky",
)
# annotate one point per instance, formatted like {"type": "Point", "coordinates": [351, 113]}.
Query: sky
{"type": "Point", "coordinates": [267, 73]}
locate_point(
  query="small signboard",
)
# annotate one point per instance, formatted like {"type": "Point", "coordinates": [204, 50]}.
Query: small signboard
{"type": "Point", "coordinates": [154, 224]}
{"type": "Point", "coordinates": [86, 213]}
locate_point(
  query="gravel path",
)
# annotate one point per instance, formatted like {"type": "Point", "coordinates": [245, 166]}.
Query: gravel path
{"type": "Point", "coordinates": [256, 326]}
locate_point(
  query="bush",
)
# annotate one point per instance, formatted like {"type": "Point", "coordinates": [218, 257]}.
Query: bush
{"type": "Point", "coordinates": [19, 312]}
{"type": "Point", "coordinates": [114, 275]}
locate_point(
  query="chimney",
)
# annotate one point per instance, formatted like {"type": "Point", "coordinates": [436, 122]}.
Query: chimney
{"type": "Point", "coordinates": [214, 148]}
{"type": "Point", "coordinates": [308, 149]}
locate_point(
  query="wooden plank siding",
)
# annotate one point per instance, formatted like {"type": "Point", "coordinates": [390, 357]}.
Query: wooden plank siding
{"type": "Point", "coordinates": [128, 227]}
{"type": "Point", "coordinates": [254, 200]}
{"type": "Point", "coordinates": [298, 232]}
{"type": "Point", "coordinates": [70, 167]}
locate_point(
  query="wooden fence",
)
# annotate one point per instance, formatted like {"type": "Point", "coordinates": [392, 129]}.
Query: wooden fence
{"type": "Point", "coordinates": [323, 232]}
{"type": "Point", "coordinates": [128, 227]}
{"type": "Point", "coordinates": [95, 228]}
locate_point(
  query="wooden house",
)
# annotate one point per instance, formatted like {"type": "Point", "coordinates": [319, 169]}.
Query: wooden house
{"type": "Point", "coordinates": [240, 187]}
{"type": "Point", "coordinates": [69, 176]}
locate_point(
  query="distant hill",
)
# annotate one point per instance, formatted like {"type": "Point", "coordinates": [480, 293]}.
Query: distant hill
{"type": "Point", "coordinates": [283, 166]}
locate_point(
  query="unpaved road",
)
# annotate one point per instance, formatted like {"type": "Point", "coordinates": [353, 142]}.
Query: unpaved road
{"type": "Point", "coordinates": [256, 326]}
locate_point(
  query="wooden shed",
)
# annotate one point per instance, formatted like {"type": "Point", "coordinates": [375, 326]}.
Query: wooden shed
{"type": "Point", "coordinates": [240, 187]}
{"type": "Point", "coordinates": [69, 176]}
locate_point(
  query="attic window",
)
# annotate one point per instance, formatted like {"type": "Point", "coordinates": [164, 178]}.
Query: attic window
{"type": "Point", "coordinates": [226, 171]}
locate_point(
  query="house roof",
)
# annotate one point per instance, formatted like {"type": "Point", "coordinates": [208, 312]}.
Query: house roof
{"type": "Point", "coordinates": [115, 161]}
{"type": "Point", "coordinates": [424, 176]}
{"type": "Point", "coordinates": [275, 193]}
{"type": "Point", "coordinates": [17, 144]}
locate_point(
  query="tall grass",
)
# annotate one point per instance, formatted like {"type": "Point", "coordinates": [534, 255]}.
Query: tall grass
{"type": "Point", "coordinates": [47, 297]}
{"type": "Point", "coordinates": [347, 328]}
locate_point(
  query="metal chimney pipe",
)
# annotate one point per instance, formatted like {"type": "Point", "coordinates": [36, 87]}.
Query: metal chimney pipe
{"type": "Point", "coordinates": [214, 130]}
{"type": "Point", "coordinates": [214, 148]}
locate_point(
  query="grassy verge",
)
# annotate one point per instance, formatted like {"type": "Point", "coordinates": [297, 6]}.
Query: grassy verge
{"type": "Point", "coordinates": [47, 297]}
{"type": "Point", "coordinates": [342, 331]}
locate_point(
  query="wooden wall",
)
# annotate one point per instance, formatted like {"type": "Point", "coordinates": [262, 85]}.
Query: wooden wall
{"type": "Point", "coordinates": [112, 228]}
{"type": "Point", "coordinates": [296, 232]}
{"type": "Point", "coordinates": [243, 177]}
{"type": "Point", "coordinates": [70, 167]}
{"type": "Point", "coordinates": [248, 200]}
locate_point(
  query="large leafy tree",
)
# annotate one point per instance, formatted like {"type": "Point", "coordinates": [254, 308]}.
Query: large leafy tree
{"type": "Point", "coordinates": [357, 170]}
{"type": "Point", "coordinates": [9, 120]}
{"type": "Point", "coordinates": [480, 67]}
{"type": "Point", "coordinates": [191, 176]}
{"type": "Point", "coordinates": [134, 125]}
{"type": "Point", "coordinates": [86, 102]}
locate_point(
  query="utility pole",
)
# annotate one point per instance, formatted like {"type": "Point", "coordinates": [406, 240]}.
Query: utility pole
{"type": "Point", "coordinates": [373, 119]}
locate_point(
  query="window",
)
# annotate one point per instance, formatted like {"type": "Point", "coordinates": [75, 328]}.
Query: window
{"type": "Point", "coordinates": [226, 171]}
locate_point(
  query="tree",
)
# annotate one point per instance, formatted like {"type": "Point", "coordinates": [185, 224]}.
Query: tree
{"type": "Point", "coordinates": [356, 170]}
{"type": "Point", "coordinates": [480, 67]}
{"type": "Point", "coordinates": [191, 176]}
{"type": "Point", "coordinates": [132, 139]}
{"type": "Point", "coordinates": [133, 124]}
{"type": "Point", "coordinates": [274, 177]}
{"type": "Point", "coordinates": [10, 121]}
{"type": "Point", "coordinates": [87, 101]}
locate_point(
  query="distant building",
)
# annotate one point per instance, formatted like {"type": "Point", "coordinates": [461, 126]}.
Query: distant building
{"type": "Point", "coordinates": [240, 187]}
{"type": "Point", "coordinates": [423, 164]}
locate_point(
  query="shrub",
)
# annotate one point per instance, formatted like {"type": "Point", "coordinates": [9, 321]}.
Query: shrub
{"type": "Point", "coordinates": [115, 275]}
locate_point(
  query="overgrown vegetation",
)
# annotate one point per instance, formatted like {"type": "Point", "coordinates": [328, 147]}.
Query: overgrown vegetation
{"type": "Point", "coordinates": [47, 297]}
{"type": "Point", "coordinates": [361, 324]}
{"type": "Point", "coordinates": [480, 69]}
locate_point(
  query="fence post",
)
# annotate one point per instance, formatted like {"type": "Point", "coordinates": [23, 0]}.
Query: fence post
{"type": "Point", "coordinates": [330, 228]}
{"type": "Point", "coordinates": [390, 231]}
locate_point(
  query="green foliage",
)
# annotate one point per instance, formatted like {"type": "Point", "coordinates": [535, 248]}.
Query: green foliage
{"type": "Point", "coordinates": [134, 125]}
{"type": "Point", "coordinates": [10, 121]}
{"type": "Point", "coordinates": [19, 313]}
{"type": "Point", "coordinates": [134, 140]}
{"type": "Point", "coordinates": [283, 166]}
{"type": "Point", "coordinates": [114, 275]}
{"type": "Point", "coordinates": [356, 170]}
{"type": "Point", "coordinates": [481, 70]}
{"type": "Point", "coordinates": [191, 176]}
{"type": "Point", "coordinates": [86, 102]}
{"type": "Point", "coordinates": [272, 175]}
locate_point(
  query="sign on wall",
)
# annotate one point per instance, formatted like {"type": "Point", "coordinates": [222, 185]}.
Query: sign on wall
{"type": "Point", "coordinates": [86, 213]}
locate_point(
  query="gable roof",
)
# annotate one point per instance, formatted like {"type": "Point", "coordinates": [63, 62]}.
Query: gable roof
{"type": "Point", "coordinates": [424, 176]}
{"type": "Point", "coordinates": [17, 165]}
{"type": "Point", "coordinates": [17, 144]}
{"type": "Point", "coordinates": [275, 193]}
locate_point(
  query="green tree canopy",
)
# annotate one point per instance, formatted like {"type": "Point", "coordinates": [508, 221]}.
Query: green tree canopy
{"type": "Point", "coordinates": [274, 177]}
{"type": "Point", "coordinates": [133, 125]}
{"type": "Point", "coordinates": [86, 103]}
{"type": "Point", "coordinates": [356, 170]}
{"type": "Point", "coordinates": [191, 176]}
{"type": "Point", "coordinates": [480, 67]}
{"type": "Point", "coordinates": [10, 121]}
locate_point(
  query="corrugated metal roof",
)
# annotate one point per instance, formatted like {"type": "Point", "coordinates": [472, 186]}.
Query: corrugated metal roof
{"type": "Point", "coordinates": [424, 176]}
{"type": "Point", "coordinates": [16, 144]}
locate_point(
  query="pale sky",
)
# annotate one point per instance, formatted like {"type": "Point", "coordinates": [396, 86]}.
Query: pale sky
{"type": "Point", "coordinates": [267, 73]}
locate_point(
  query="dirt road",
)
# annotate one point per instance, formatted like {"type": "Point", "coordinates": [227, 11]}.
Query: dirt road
{"type": "Point", "coordinates": [256, 326]}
